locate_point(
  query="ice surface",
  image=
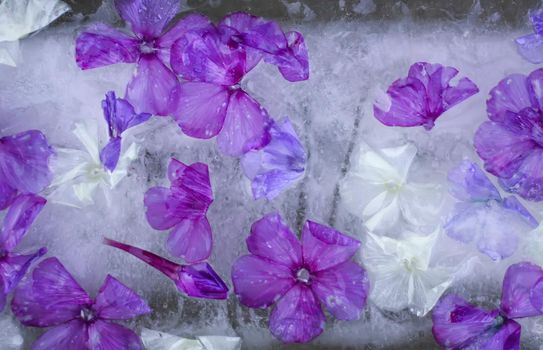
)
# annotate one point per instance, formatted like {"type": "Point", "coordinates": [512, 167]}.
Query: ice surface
{"type": "Point", "coordinates": [351, 64]}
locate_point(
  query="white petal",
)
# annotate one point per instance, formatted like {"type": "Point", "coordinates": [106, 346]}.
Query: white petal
{"type": "Point", "coordinates": [125, 160]}
{"type": "Point", "coordinates": [387, 215]}
{"type": "Point", "coordinates": [220, 343]}
{"type": "Point", "coordinates": [421, 204]}
{"type": "Point", "coordinates": [88, 136]}
{"type": "Point", "coordinates": [10, 54]}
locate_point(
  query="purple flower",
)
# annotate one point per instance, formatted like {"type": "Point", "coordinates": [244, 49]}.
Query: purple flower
{"type": "Point", "coordinates": [531, 46]}
{"type": "Point", "coordinates": [153, 84]}
{"type": "Point", "coordinates": [50, 297]}
{"type": "Point", "coordinates": [196, 280]}
{"type": "Point", "coordinates": [298, 277]}
{"type": "Point", "coordinates": [483, 216]}
{"type": "Point", "coordinates": [13, 266]}
{"type": "Point", "coordinates": [120, 116]}
{"type": "Point", "coordinates": [278, 164]}
{"type": "Point", "coordinates": [460, 325]}
{"type": "Point", "coordinates": [183, 207]}
{"type": "Point", "coordinates": [423, 96]}
{"type": "Point", "coordinates": [24, 165]}
{"type": "Point", "coordinates": [511, 143]}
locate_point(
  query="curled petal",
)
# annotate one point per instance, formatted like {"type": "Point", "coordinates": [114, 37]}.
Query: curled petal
{"type": "Point", "coordinates": [147, 17]}
{"type": "Point", "coordinates": [294, 62]}
{"type": "Point", "coordinates": [517, 288]}
{"type": "Point", "coordinates": [115, 301]}
{"type": "Point", "coordinates": [13, 267]}
{"type": "Point", "coordinates": [191, 240]}
{"type": "Point", "coordinates": [111, 336]}
{"type": "Point", "coordinates": [21, 214]}
{"type": "Point", "coordinates": [120, 115]}
{"type": "Point", "coordinates": [201, 281]}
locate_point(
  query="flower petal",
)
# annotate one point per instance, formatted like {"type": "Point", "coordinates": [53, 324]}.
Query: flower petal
{"type": "Point", "coordinates": [518, 282]}
{"type": "Point", "coordinates": [153, 87]}
{"type": "Point", "coordinates": [157, 209]}
{"type": "Point", "coordinates": [147, 17]}
{"type": "Point", "coordinates": [193, 178]}
{"type": "Point", "coordinates": [109, 155]}
{"type": "Point", "coordinates": [260, 283]}
{"type": "Point", "coordinates": [100, 45]}
{"type": "Point", "coordinates": [343, 289]}
{"type": "Point", "coordinates": [294, 62]}
{"type": "Point", "coordinates": [105, 335]}
{"type": "Point", "coordinates": [120, 115]}
{"type": "Point", "coordinates": [245, 126]}
{"type": "Point", "coordinates": [273, 240]}
{"type": "Point", "coordinates": [527, 182]}
{"type": "Point", "coordinates": [49, 296]}
{"type": "Point", "coordinates": [201, 281]}
{"type": "Point", "coordinates": [536, 295]}
{"type": "Point", "coordinates": [115, 301]}
{"type": "Point", "coordinates": [71, 335]}
{"type": "Point", "coordinates": [7, 193]}
{"type": "Point", "coordinates": [507, 337]}
{"type": "Point", "coordinates": [512, 94]}
{"type": "Point", "coordinates": [297, 317]}
{"type": "Point", "coordinates": [469, 183]}
{"type": "Point", "coordinates": [13, 267]}
{"type": "Point", "coordinates": [323, 247]}
{"type": "Point", "coordinates": [21, 214]}
{"type": "Point", "coordinates": [191, 240]}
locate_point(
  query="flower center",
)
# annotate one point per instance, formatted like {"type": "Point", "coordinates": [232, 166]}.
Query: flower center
{"type": "Point", "coordinates": [234, 87]}
{"type": "Point", "coordinates": [499, 321]}
{"type": "Point", "coordinates": [146, 47]}
{"type": "Point", "coordinates": [411, 264]}
{"type": "Point", "coordinates": [303, 276]}
{"type": "Point", "coordinates": [393, 187]}
{"type": "Point", "coordinates": [87, 314]}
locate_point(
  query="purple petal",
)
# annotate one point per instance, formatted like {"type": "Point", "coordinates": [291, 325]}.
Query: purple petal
{"type": "Point", "coordinates": [7, 193]}
{"type": "Point", "coordinates": [153, 87]}
{"type": "Point", "coordinates": [531, 47]}
{"type": "Point", "coordinates": [24, 161]}
{"type": "Point", "coordinates": [324, 247]}
{"type": "Point", "coordinates": [469, 183]}
{"type": "Point", "coordinates": [297, 317]}
{"type": "Point", "coordinates": [201, 281]}
{"type": "Point", "coordinates": [517, 285]}
{"type": "Point", "coordinates": [465, 221]}
{"type": "Point", "coordinates": [260, 283]}
{"type": "Point", "coordinates": [536, 295]}
{"type": "Point", "coordinates": [104, 335]}
{"type": "Point", "coordinates": [191, 240]}
{"type": "Point", "coordinates": [536, 17]}
{"type": "Point", "coordinates": [512, 94]}
{"type": "Point", "coordinates": [193, 178]}
{"type": "Point", "coordinates": [3, 296]}
{"type": "Point", "coordinates": [245, 126]}
{"type": "Point", "coordinates": [147, 17]}
{"type": "Point", "coordinates": [527, 182]}
{"type": "Point", "coordinates": [71, 335]}
{"type": "Point", "coordinates": [513, 203]}
{"type": "Point", "coordinates": [101, 45]}
{"type": "Point", "coordinates": [273, 240]}
{"type": "Point", "coordinates": [120, 115]}
{"type": "Point", "coordinates": [293, 63]}
{"type": "Point", "coordinates": [507, 337]}
{"type": "Point", "coordinates": [115, 301]}
{"type": "Point", "coordinates": [49, 296]}
{"type": "Point", "coordinates": [13, 268]}
{"type": "Point", "coordinates": [343, 289]}
{"type": "Point", "coordinates": [158, 211]}
{"type": "Point", "coordinates": [109, 155]}
{"type": "Point", "coordinates": [201, 109]}
{"type": "Point", "coordinates": [21, 214]}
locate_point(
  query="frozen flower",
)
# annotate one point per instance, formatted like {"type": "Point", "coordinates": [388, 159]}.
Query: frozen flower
{"type": "Point", "coordinates": [511, 142]}
{"type": "Point", "coordinates": [19, 18]}
{"type": "Point", "coordinates": [423, 96]}
{"type": "Point", "coordinates": [11, 337]}
{"type": "Point", "coordinates": [461, 325]}
{"type": "Point", "coordinates": [24, 165]}
{"type": "Point", "coordinates": [378, 190]}
{"type": "Point", "coordinates": [183, 207]}
{"type": "Point", "coordinates": [153, 83]}
{"type": "Point", "coordinates": [300, 276]}
{"type": "Point", "coordinates": [50, 298]}
{"type": "Point", "coordinates": [13, 266]}
{"type": "Point", "coordinates": [407, 273]}
{"type": "Point", "coordinates": [277, 165]}
{"type": "Point", "coordinates": [483, 216]}
{"type": "Point", "coordinates": [154, 340]}
{"type": "Point", "coordinates": [531, 46]}
{"type": "Point", "coordinates": [196, 280]}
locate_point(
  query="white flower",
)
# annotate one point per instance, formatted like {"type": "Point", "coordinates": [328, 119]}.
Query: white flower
{"type": "Point", "coordinates": [378, 190]}
{"type": "Point", "coordinates": [154, 340]}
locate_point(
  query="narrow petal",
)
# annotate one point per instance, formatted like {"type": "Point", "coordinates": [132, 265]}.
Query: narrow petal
{"type": "Point", "coordinates": [115, 301]}
{"type": "Point", "coordinates": [469, 183]}
{"type": "Point", "coordinates": [518, 282]}
{"type": "Point", "coordinates": [273, 240]}
{"type": "Point", "coordinates": [13, 267]}
{"type": "Point", "coordinates": [148, 18]}
{"type": "Point", "coordinates": [297, 317]}
{"type": "Point", "coordinates": [191, 240]}
{"type": "Point", "coordinates": [101, 45]}
{"type": "Point", "coordinates": [324, 247]}
{"type": "Point", "coordinates": [201, 109]}
{"type": "Point", "coordinates": [49, 296]}
{"type": "Point", "coordinates": [152, 87]}
{"type": "Point", "coordinates": [71, 335]}
{"type": "Point", "coordinates": [245, 126]}
{"type": "Point", "coordinates": [109, 155]}
{"type": "Point", "coordinates": [201, 281]}
{"type": "Point", "coordinates": [105, 335]}
{"type": "Point", "coordinates": [21, 214]}
{"type": "Point", "coordinates": [120, 115]}
{"type": "Point", "coordinates": [294, 62]}
{"type": "Point", "coordinates": [260, 283]}
{"type": "Point", "coordinates": [343, 289]}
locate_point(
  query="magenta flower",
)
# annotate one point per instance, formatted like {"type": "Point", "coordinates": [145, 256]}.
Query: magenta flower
{"type": "Point", "coordinates": [531, 46]}
{"type": "Point", "coordinates": [196, 280]}
{"type": "Point", "coordinates": [423, 96]}
{"type": "Point", "coordinates": [460, 325]}
{"type": "Point", "coordinates": [13, 266]}
{"type": "Point", "coordinates": [153, 85]}
{"type": "Point", "coordinates": [298, 277]}
{"type": "Point", "coordinates": [50, 297]}
{"type": "Point", "coordinates": [183, 207]}
{"type": "Point", "coordinates": [511, 143]}
{"type": "Point", "coordinates": [24, 165]}
{"type": "Point", "coordinates": [277, 165]}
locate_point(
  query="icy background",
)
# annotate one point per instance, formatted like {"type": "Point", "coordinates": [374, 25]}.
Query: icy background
{"type": "Point", "coordinates": [352, 60]}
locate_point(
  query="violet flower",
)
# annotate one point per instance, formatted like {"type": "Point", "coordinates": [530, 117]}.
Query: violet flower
{"type": "Point", "coordinates": [24, 165]}
{"type": "Point", "coordinates": [423, 96]}
{"type": "Point", "coordinates": [483, 216]}
{"type": "Point", "coordinates": [299, 277]}
{"type": "Point", "coordinates": [183, 207]}
{"type": "Point", "coordinates": [196, 280]}
{"type": "Point", "coordinates": [531, 46]}
{"type": "Point", "coordinates": [460, 325]}
{"type": "Point", "coordinates": [153, 83]}
{"type": "Point", "coordinates": [511, 142]}
{"type": "Point", "coordinates": [50, 297]}
{"type": "Point", "coordinates": [13, 266]}
{"type": "Point", "coordinates": [278, 164]}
